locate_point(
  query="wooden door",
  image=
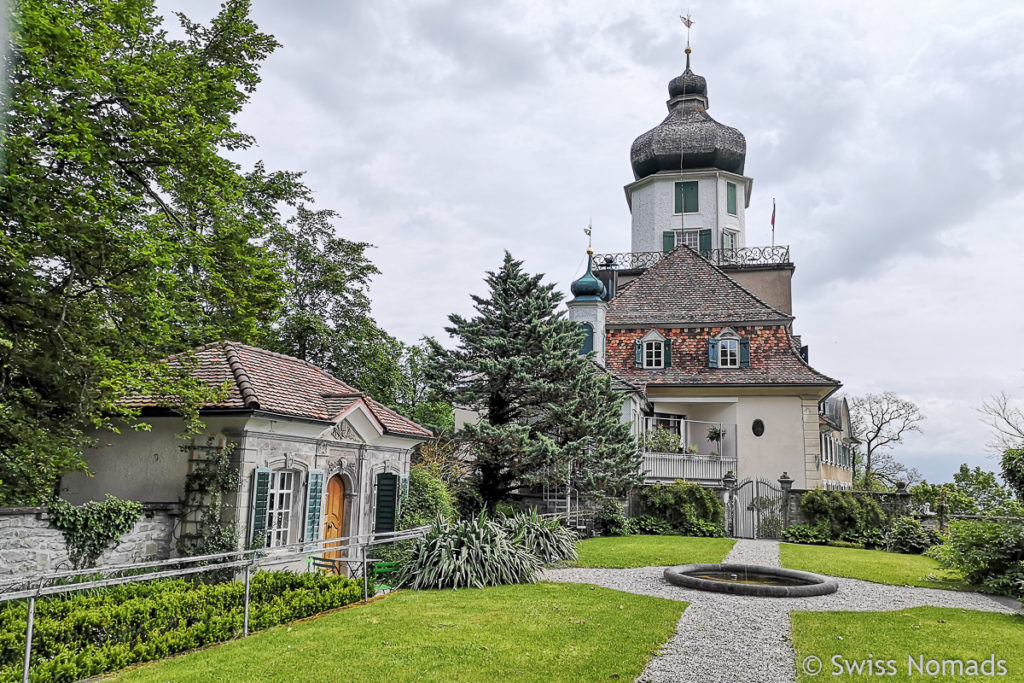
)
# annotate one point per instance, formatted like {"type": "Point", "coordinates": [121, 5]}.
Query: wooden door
{"type": "Point", "coordinates": [335, 514]}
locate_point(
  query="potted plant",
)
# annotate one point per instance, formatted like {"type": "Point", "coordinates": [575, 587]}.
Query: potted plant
{"type": "Point", "coordinates": [715, 435]}
{"type": "Point", "coordinates": [692, 449]}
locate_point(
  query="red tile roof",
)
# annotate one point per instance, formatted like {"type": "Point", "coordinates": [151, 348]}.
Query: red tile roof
{"type": "Point", "coordinates": [683, 288]}
{"type": "Point", "coordinates": [276, 383]}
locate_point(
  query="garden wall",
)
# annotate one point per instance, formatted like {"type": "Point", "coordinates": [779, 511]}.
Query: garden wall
{"type": "Point", "coordinates": [893, 504]}
{"type": "Point", "coordinates": [29, 545]}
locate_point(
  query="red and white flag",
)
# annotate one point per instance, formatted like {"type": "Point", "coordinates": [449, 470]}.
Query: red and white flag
{"type": "Point", "coordinates": [773, 213]}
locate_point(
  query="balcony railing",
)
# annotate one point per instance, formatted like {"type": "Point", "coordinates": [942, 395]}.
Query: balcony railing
{"type": "Point", "coordinates": [747, 256]}
{"type": "Point", "coordinates": [702, 469]}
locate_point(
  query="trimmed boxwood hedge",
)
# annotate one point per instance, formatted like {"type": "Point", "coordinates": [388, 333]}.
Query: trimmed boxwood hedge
{"type": "Point", "coordinates": [77, 635]}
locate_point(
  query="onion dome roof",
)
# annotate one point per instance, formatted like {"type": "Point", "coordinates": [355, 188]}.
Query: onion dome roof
{"type": "Point", "coordinates": [688, 138]}
{"type": "Point", "coordinates": [588, 287]}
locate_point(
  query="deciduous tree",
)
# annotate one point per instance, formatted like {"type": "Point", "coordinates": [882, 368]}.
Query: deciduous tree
{"type": "Point", "coordinates": [881, 421]}
{"type": "Point", "coordinates": [128, 234]}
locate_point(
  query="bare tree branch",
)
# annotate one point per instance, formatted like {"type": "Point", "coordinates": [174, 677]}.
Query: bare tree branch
{"type": "Point", "coordinates": [881, 421]}
{"type": "Point", "coordinates": [1006, 421]}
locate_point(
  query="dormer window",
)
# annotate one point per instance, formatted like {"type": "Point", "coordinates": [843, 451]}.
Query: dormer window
{"type": "Point", "coordinates": [728, 350]}
{"type": "Point", "coordinates": [654, 354]}
{"type": "Point", "coordinates": [728, 353]}
{"type": "Point", "coordinates": [654, 351]}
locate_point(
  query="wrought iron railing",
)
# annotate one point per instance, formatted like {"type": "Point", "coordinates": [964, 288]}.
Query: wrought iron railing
{"type": "Point", "coordinates": [747, 256]}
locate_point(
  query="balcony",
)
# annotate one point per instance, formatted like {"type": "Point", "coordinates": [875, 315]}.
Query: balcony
{"type": "Point", "coordinates": [691, 450]}
{"type": "Point", "coordinates": [745, 257]}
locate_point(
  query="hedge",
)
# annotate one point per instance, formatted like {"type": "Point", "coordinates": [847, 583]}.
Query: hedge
{"type": "Point", "coordinates": [78, 635]}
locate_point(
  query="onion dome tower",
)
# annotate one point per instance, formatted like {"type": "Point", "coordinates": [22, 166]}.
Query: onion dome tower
{"type": "Point", "coordinates": [588, 308]}
{"type": "Point", "coordinates": [688, 186]}
{"type": "Point", "coordinates": [688, 138]}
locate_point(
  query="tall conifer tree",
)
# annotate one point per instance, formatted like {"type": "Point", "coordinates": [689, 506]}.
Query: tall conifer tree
{"type": "Point", "coordinates": [542, 404]}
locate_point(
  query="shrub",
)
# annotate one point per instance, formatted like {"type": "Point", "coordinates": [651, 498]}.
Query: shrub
{"type": "Point", "coordinates": [688, 508]}
{"type": "Point", "coordinates": [806, 533]}
{"type": "Point", "coordinates": [547, 540]}
{"type": "Point", "coordinates": [469, 553]}
{"type": "Point", "coordinates": [846, 516]}
{"type": "Point", "coordinates": [989, 554]}
{"type": "Point", "coordinates": [427, 498]}
{"type": "Point", "coordinates": [648, 526]}
{"type": "Point", "coordinates": [661, 440]}
{"type": "Point", "coordinates": [78, 635]}
{"type": "Point", "coordinates": [610, 519]}
{"type": "Point", "coordinates": [908, 536]}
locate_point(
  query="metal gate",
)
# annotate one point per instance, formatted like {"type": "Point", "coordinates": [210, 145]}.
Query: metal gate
{"type": "Point", "coordinates": [755, 509]}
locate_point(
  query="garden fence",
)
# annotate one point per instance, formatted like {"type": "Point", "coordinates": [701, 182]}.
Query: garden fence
{"type": "Point", "coordinates": [354, 552]}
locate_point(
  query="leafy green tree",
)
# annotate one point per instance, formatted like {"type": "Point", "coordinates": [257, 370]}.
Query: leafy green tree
{"type": "Point", "coordinates": [128, 234]}
{"type": "Point", "coordinates": [543, 405]}
{"type": "Point", "coordinates": [972, 492]}
{"type": "Point", "coordinates": [1013, 470]}
{"type": "Point", "coordinates": [325, 316]}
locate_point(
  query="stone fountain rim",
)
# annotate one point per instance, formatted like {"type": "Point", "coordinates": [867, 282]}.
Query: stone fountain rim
{"type": "Point", "coordinates": [680, 575]}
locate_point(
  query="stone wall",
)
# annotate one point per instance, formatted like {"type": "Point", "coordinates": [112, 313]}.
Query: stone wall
{"type": "Point", "coordinates": [29, 545]}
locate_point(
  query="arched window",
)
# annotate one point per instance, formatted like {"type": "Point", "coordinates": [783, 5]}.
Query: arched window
{"type": "Point", "coordinates": [588, 338]}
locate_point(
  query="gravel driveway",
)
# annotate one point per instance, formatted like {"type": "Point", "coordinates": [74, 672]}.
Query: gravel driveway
{"type": "Point", "coordinates": [739, 639]}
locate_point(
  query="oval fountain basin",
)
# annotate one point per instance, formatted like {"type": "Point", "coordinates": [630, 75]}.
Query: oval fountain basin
{"type": "Point", "coordinates": [748, 579]}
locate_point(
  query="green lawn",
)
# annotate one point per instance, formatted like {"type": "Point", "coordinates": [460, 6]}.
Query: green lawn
{"type": "Point", "coordinates": [869, 565]}
{"type": "Point", "coordinates": [922, 633]}
{"type": "Point", "coordinates": [651, 551]}
{"type": "Point", "coordinates": [539, 632]}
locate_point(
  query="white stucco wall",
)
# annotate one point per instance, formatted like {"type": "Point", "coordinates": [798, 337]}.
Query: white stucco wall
{"type": "Point", "coordinates": [147, 466]}
{"type": "Point", "coordinates": [653, 207]}
{"type": "Point", "coordinates": [781, 447]}
{"type": "Point", "coordinates": [594, 313]}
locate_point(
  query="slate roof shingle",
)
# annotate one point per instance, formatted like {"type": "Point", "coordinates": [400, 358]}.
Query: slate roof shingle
{"type": "Point", "coordinates": [273, 382]}
{"type": "Point", "coordinates": [683, 288]}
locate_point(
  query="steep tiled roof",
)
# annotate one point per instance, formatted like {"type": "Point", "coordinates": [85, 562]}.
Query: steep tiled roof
{"type": "Point", "coordinates": [618, 384]}
{"type": "Point", "coordinates": [773, 361]}
{"type": "Point", "coordinates": [684, 289]}
{"type": "Point", "coordinates": [264, 380]}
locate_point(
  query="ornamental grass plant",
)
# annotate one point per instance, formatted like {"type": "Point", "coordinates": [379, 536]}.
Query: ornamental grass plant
{"type": "Point", "coordinates": [546, 539]}
{"type": "Point", "coordinates": [468, 553]}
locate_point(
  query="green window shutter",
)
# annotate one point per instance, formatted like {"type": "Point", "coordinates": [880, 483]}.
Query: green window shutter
{"type": "Point", "coordinates": [744, 353]}
{"type": "Point", "coordinates": [730, 198]}
{"type": "Point", "coordinates": [639, 348]}
{"type": "Point", "coordinates": [691, 202]}
{"type": "Point", "coordinates": [588, 338]}
{"type": "Point", "coordinates": [668, 241]}
{"type": "Point", "coordinates": [705, 242]}
{"type": "Point", "coordinates": [712, 353]}
{"type": "Point", "coordinates": [258, 509]}
{"type": "Point", "coordinates": [314, 503]}
{"type": "Point", "coordinates": [668, 353]}
{"type": "Point", "coordinates": [679, 197]}
{"type": "Point", "coordinates": [387, 503]}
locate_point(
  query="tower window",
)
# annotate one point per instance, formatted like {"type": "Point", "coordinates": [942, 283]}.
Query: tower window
{"type": "Point", "coordinates": [686, 197]}
{"type": "Point", "coordinates": [728, 240]}
{"type": "Point", "coordinates": [730, 198]}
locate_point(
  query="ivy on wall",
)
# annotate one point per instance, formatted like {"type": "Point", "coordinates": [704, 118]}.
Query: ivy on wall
{"type": "Point", "coordinates": [91, 528]}
{"type": "Point", "coordinates": [209, 526]}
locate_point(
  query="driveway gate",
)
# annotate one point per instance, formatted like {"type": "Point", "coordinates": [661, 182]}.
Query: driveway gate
{"type": "Point", "coordinates": [755, 509]}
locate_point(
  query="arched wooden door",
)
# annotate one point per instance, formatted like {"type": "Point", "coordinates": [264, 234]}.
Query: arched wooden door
{"type": "Point", "coordinates": [334, 518]}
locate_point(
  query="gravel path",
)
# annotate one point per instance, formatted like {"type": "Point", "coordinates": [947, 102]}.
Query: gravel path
{"type": "Point", "coordinates": [730, 639]}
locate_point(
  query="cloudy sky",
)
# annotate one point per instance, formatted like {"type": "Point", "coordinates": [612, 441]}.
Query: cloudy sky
{"type": "Point", "coordinates": [890, 134]}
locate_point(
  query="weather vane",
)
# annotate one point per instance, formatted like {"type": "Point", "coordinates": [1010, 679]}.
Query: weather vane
{"type": "Point", "coordinates": [587, 230]}
{"type": "Point", "coordinates": [688, 23]}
